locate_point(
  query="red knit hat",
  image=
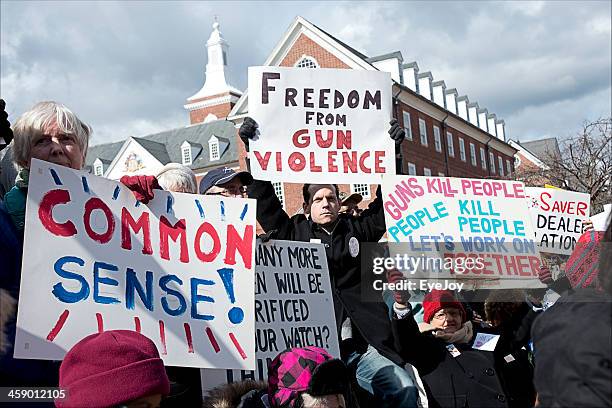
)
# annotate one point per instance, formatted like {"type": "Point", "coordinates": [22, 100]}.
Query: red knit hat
{"type": "Point", "coordinates": [110, 368]}
{"type": "Point", "coordinates": [440, 299]}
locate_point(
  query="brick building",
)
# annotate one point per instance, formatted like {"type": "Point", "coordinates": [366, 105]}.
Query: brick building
{"type": "Point", "coordinates": [447, 135]}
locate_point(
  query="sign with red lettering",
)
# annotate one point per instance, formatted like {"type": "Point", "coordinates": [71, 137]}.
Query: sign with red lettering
{"type": "Point", "coordinates": [320, 125]}
{"type": "Point", "coordinates": [476, 231]}
{"type": "Point", "coordinates": [557, 216]}
{"type": "Point", "coordinates": [180, 270]}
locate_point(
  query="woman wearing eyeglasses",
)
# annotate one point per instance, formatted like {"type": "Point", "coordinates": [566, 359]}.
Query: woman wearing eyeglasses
{"type": "Point", "coordinates": [459, 366]}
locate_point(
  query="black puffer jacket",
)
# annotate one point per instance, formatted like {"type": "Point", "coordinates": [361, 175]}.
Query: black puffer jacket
{"type": "Point", "coordinates": [473, 378]}
{"type": "Point", "coordinates": [572, 343]}
{"type": "Point", "coordinates": [370, 319]}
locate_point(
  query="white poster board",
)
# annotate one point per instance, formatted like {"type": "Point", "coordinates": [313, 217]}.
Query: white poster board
{"type": "Point", "coordinates": [179, 270]}
{"type": "Point", "coordinates": [473, 230]}
{"type": "Point", "coordinates": [321, 125]}
{"type": "Point", "coordinates": [557, 216]}
{"type": "Point", "coordinates": [291, 276]}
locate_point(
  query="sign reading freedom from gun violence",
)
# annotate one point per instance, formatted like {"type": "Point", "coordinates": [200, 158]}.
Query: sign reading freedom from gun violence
{"type": "Point", "coordinates": [293, 306]}
{"type": "Point", "coordinates": [179, 270]}
{"type": "Point", "coordinates": [557, 217]}
{"type": "Point", "coordinates": [475, 230]}
{"type": "Point", "coordinates": [321, 125]}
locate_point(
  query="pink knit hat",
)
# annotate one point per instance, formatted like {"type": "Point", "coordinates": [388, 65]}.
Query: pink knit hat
{"type": "Point", "coordinates": [110, 368]}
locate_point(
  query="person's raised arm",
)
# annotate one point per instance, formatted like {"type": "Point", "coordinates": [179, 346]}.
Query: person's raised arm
{"type": "Point", "coordinates": [270, 213]}
{"type": "Point", "coordinates": [372, 220]}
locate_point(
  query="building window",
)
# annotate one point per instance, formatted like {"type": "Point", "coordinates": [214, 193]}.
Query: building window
{"type": "Point", "coordinates": [98, 170]}
{"type": "Point", "coordinates": [462, 149]}
{"type": "Point", "coordinates": [423, 132]}
{"type": "Point", "coordinates": [280, 192]}
{"type": "Point", "coordinates": [492, 162]}
{"type": "Point", "coordinates": [214, 150]}
{"type": "Point", "coordinates": [483, 158]}
{"type": "Point", "coordinates": [411, 169]}
{"type": "Point", "coordinates": [437, 140]}
{"type": "Point", "coordinates": [407, 126]}
{"type": "Point", "coordinates": [500, 163]}
{"type": "Point", "coordinates": [426, 171]}
{"type": "Point", "coordinates": [449, 142]}
{"type": "Point", "coordinates": [363, 189]}
{"type": "Point", "coordinates": [473, 154]}
{"type": "Point", "coordinates": [186, 155]}
{"type": "Point", "coordinates": [307, 62]}
{"type": "Point", "coordinates": [508, 167]}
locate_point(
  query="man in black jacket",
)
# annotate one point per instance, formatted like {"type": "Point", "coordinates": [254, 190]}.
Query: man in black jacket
{"type": "Point", "coordinates": [370, 349]}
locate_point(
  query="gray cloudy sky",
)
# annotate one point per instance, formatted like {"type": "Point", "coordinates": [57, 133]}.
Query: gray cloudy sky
{"type": "Point", "coordinates": [126, 69]}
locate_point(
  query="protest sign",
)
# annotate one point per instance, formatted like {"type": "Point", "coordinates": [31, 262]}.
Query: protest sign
{"type": "Point", "coordinates": [179, 270]}
{"type": "Point", "coordinates": [293, 307]}
{"type": "Point", "coordinates": [474, 230]}
{"type": "Point", "coordinates": [320, 125]}
{"type": "Point", "coordinates": [557, 216]}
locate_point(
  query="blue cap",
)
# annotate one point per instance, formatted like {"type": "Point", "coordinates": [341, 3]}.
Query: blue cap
{"type": "Point", "coordinates": [223, 175]}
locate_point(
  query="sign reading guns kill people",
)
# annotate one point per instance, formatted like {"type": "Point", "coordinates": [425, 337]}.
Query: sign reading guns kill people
{"type": "Point", "coordinates": [179, 270]}
{"type": "Point", "coordinates": [293, 306]}
{"type": "Point", "coordinates": [557, 217]}
{"type": "Point", "coordinates": [456, 220]}
{"type": "Point", "coordinates": [321, 125]}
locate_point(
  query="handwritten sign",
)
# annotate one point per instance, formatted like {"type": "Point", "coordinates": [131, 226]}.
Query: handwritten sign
{"type": "Point", "coordinates": [179, 270]}
{"type": "Point", "coordinates": [293, 307]}
{"type": "Point", "coordinates": [321, 125]}
{"type": "Point", "coordinates": [450, 221]}
{"type": "Point", "coordinates": [557, 216]}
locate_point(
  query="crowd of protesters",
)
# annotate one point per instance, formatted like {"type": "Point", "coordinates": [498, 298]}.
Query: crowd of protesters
{"type": "Point", "coordinates": [549, 356]}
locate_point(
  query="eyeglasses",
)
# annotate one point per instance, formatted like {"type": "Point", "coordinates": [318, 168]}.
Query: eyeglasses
{"type": "Point", "coordinates": [231, 191]}
{"type": "Point", "coordinates": [442, 315]}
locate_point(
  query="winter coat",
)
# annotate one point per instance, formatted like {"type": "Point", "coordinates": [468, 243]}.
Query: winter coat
{"type": "Point", "coordinates": [473, 378]}
{"type": "Point", "coordinates": [572, 343]}
{"type": "Point", "coordinates": [370, 319]}
{"type": "Point", "coordinates": [16, 371]}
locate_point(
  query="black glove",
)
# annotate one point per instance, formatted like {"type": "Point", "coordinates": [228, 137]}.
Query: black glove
{"type": "Point", "coordinates": [248, 131]}
{"type": "Point", "coordinates": [5, 127]}
{"type": "Point", "coordinates": [396, 132]}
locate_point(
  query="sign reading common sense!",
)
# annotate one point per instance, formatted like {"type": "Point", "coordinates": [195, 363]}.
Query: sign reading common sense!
{"type": "Point", "coordinates": [180, 270]}
{"type": "Point", "coordinates": [321, 125]}
{"type": "Point", "coordinates": [464, 229]}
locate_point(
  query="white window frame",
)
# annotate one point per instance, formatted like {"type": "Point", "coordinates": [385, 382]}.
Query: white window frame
{"type": "Point", "coordinates": [98, 170]}
{"type": "Point", "coordinates": [473, 154]}
{"type": "Point", "coordinates": [363, 189]}
{"type": "Point", "coordinates": [451, 145]}
{"type": "Point", "coordinates": [508, 167]}
{"type": "Point", "coordinates": [426, 171]}
{"type": "Point", "coordinates": [483, 158]}
{"type": "Point", "coordinates": [412, 169]}
{"type": "Point", "coordinates": [437, 139]}
{"type": "Point", "coordinates": [423, 132]}
{"type": "Point", "coordinates": [462, 149]}
{"type": "Point", "coordinates": [407, 124]}
{"type": "Point", "coordinates": [279, 190]}
{"type": "Point", "coordinates": [186, 155]}
{"type": "Point", "coordinates": [213, 148]}
{"type": "Point", "coordinates": [500, 165]}
{"type": "Point", "coordinates": [307, 58]}
{"type": "Point", "coordinates": [492, 162]}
